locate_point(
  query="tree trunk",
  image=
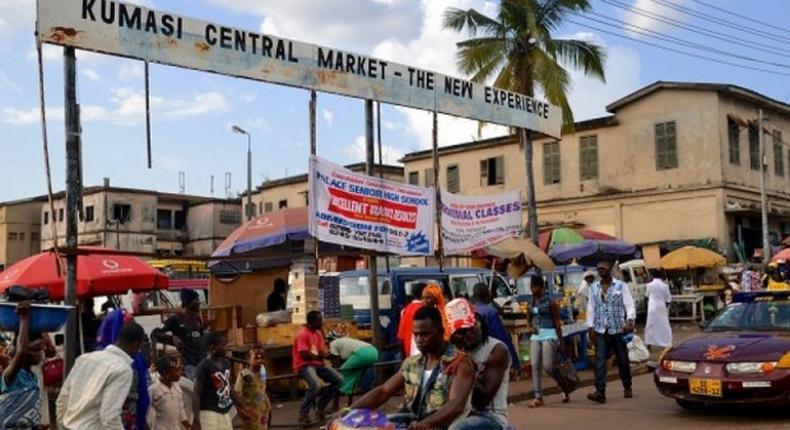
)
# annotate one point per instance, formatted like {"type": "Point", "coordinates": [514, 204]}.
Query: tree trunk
{"type": "Point", "coordinates": [532, 208]}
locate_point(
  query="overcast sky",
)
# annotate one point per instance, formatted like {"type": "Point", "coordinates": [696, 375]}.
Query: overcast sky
{"type": "Point", "coordinates": [192, 111]}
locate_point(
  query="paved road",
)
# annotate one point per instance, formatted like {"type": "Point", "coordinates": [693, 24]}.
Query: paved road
{"type": "Point", "coordinates": [647, 410]}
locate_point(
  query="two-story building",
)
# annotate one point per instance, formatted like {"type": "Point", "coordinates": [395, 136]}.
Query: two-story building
{"type": "Point", "coordinates": [146, 221]}
{"type": "Point", "coordinates": [673, 162]}
{"type": "Point", "coordinates": [20, 230]}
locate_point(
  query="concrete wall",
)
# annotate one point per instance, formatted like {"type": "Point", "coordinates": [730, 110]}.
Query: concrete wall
{"type": "Point", "coordinates": [22, 220]}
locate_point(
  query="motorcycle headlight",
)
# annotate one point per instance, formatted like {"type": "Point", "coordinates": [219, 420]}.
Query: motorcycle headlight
{"type": "Point", "coordinates": [679, 366]}
{"type": "Point", "coordinates": [784, 362]}
{"type": "Point", "coordinates": [752, 367]}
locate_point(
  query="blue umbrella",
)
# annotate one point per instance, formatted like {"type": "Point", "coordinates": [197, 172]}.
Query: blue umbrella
{"type": "Point", "coordinates": [590, 252]}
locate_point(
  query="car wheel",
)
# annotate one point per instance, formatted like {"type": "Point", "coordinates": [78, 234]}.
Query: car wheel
{"type": "Point", "coordinates": [689, 405]}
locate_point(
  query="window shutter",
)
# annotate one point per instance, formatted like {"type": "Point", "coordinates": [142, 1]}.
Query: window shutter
{"type": "Point", "coordinates": [483, 172]}
{"type": "Point", "coordinates": [499, 169]}
{"type": "Point", "coordinates": [453, 179]}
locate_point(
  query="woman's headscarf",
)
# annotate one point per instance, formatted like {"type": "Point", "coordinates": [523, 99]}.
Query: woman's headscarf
{"type": "Point", "coordinates": [436, 292]}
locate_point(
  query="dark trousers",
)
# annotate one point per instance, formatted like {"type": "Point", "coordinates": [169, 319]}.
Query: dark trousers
{"type": "Point", "coordinates": [603, 345]}
{"type": "Point", "coordinates": [314, 395]}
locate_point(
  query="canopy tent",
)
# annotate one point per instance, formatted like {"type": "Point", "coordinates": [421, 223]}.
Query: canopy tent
{"type": "Point", "coordinates": [692, 257]}
{"type": "Point", "coordinates": [569, 236]}
{"type": "Point", "coordinates": [98, 274]}
{"type": "Point", "coordinates": [590, 252]}
{"type": "Point", "coordinates": [513, 247]}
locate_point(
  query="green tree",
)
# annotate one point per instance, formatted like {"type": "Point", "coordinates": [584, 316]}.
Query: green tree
{"type": "Point", "coordinates": [518, 50]}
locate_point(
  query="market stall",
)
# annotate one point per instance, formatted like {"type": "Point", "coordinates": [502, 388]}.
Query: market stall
{"type": "Point", "coordinates": [702, 285]}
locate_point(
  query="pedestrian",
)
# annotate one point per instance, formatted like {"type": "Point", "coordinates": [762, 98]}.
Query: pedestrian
{"type": "Point", "coordinates": [251, 386]}
{"type": "Point", "coordinates": [276, 300]}
{"type": "Point", "coordinates": [496, 328]}
{"type": "Point", "coordinates": [489, 396]}
{"type": "Point", "coordinates": [186, 332]}
{"type": "Point", "coordinates": [357, 357]}
{"type": "Point", "coordinates": [214, 395]}
{"type": "Point", "coordinates": [309, 352]}
{"type": "Point", "coordinates": [407, 320]}
{"type": "Point", "coordinates": [95, 390]}
{"type": "Point", "coordinates": [432, 296]}
{"type": "Point", "coordinates": [658, 333]}
{"type": "Point", "coordinates": [167, 400]}
{"type": "Point", "coordinates": [583, 293]}
{"type": "Point", "coordinates": [750, 279]}
{"type": "Point", "coordinates": [437, 382]}
{"type": "Point", "coordinates": [610, 315]}
{"type": "Point", "coordinates": [546, 340]}
{"type": "Point", "coordinates": [18, 384]}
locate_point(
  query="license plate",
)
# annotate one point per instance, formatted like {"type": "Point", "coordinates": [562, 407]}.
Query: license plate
{"type": "Point", "coordinates": [705, 387]}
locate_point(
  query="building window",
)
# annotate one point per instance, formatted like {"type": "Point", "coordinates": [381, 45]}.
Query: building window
{"type": "Point", "coordinates": [414, 178]}
{"type": "Point", "coordinates": [429, 177]}
{"type": "Point", "coordinates": [779, 161]}
{"type": "Point", "coordinates": [588, 157]}
{"type": "Point", "coordinates": [260, 207]}
{"type": "Point", "coordinates": [13, 236]}
{"type": "Point", "coordinates": [22, 237]}
{"type": "Point", "coordinates": [268, 207]}
{"type": "Point", "coordinates": [453, 179]}
{"type": "Point", "coordinates": [89, 214]}
{"type": "Point", "coordinates": [734, 134]}
{"type": "Point", "coordinates": [282, 204]}
{"type": "Point", "coordinates": [551, 163]}
{"type": "Point", "coordinates": [46, 217]}
{"type": "Point", "coordinates": [666, 146]}
{"type": "Point", "coordinates": [122, 213]}
{"type": "Point", "coordinates": [179, 220]}
{"type": "Point", "coordinates": [230, 217]}
{"type": "Point", "coordinates": [754, 148]}
{"type": "Point", "coordinates": [492, 171]}
{"type": "Point", "coordinates": [60, 215]}
{"type": "Point", "coordinates": [164, 219]}
{"type": "Point", "coordinates": [34, 237]}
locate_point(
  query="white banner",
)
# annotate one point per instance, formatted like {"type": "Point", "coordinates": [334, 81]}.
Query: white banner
{"type": "Point", "coordinates": [474, 222]}
{"type": "Point", "coordinates": [134, 31]}
{"type": "Point", "coordinates": [350, 209]}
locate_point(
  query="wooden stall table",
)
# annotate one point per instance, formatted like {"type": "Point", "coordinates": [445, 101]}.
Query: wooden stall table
{"type": "Point", "coordinates": [696, 302]}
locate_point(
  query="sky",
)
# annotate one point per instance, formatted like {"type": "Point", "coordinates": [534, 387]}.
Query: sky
{"type": "Point", "coordinates": [192, 111]}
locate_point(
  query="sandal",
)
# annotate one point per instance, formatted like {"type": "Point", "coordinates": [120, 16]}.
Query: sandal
{"type": "Point", "coordinates": [566, 398]}
{"type": "Point", "coordinates": [535, 403]}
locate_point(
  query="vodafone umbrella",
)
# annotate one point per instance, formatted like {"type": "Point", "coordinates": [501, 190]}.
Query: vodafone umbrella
{"type": "Point", "coordinates": [98, 274]}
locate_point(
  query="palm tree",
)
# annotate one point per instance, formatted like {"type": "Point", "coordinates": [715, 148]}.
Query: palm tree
{"type": "Point", "coordinates": [517, 48]}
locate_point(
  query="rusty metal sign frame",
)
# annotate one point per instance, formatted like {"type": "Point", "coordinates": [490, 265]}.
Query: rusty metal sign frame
{"type": "Point", "coordinates": [133, 31]}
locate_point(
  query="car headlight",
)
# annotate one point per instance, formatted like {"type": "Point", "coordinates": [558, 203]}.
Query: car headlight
{"type": "Point", "coordinates": [784, 362]}
{"type": "Point", "coordinates": [751, 367]}
{"type": "Point", "coordinates": [679, 366]}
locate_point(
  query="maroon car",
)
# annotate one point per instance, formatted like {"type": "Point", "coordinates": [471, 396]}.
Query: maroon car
{"type": "Point", "coordinates": [742, 356]}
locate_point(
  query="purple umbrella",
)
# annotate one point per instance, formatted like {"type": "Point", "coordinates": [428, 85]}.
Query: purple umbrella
{"type": "Point", "coordinates": [590, 252]}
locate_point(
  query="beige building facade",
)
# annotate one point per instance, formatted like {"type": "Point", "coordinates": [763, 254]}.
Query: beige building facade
{"type": "Point", "coordinates": [20, 230]}
{"type": "Point", "coordinates": [673, 162]}
{"type": "Point", "coordinates": [291, 191]}
{"type": "Point", "coordinates": [146, 221]}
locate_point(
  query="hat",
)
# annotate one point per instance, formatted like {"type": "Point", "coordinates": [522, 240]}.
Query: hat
{"type": "Point", "coordinates": [588, 273]}
{"type": "Point", "coordinates": [460, 315]}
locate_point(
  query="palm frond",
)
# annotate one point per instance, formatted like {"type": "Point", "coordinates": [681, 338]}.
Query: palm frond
{"type": "Point", "coordinates": [481, 57]}
{"type": "Point", "coordinates": [580, 55]}
{"type": "Point", "coordinates": [555, 81]}
{"type": "Point", "coordinates": [471, 20]}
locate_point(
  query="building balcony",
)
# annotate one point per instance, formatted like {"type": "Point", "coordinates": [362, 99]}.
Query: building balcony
{"type": "Point", "coordinates": [173, 235]}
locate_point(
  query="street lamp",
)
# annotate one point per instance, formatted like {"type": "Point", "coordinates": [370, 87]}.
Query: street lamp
{"type": "Point", "coordinates": [236, 129]}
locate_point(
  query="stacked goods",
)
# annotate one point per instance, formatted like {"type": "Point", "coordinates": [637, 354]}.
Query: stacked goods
{"type": "Point", "coordinates": [304, 288]}
{"type": "Point", "coordinates": [329, 294]}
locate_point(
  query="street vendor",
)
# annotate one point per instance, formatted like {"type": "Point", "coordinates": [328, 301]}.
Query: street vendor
{"type": "Point", "coordinates": [186, 332]}
{"type": "Point", "coordinates": [357, 357]}
{"type": "Point", "coordinates": [437, 381]}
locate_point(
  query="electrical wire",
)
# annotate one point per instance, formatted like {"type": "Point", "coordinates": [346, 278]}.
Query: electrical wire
{"type": "Point", "coordinates": [741, 16]}
{"type": "Point", "coordinates": [720, 21]}
{"type": "Point", "coordinates": [699, 30]}
{"type": "Point", "coordinates": [622, 25]}
{"type": "Point", "coordinates": [678, 51]}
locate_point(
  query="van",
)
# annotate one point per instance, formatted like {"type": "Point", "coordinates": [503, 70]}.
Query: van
{"type": "Point", "coordinates": [396, 288]}
{"type": "Point", "coordinates": [634, 273]}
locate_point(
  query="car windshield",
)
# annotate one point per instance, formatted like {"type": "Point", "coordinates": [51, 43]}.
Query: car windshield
{"type": "Point", "coordinates": [358, 286]}
{"type": "Point", "coordinates": [758, 315]}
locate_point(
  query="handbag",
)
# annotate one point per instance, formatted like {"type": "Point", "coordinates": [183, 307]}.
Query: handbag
{"type": "Point", "coordinates": [52, 371]}
{"type": "Point", "coordinates": [565, 373]}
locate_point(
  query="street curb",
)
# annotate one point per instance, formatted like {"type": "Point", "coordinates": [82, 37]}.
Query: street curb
{"type": "Point", "coordinates": [521, 397]}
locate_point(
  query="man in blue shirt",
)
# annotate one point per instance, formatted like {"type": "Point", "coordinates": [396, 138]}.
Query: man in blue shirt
{"type": "Point", "coordinates": [610, 315]}
{"type": "Point", "coordinates": [496, 329]}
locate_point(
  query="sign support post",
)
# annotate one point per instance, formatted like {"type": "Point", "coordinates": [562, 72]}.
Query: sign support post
{"type": "Point", "coordinates": [373, 282]}
{"type": "Point", "coordinates": [435, 139]}
{"type": "Point", "coordinates": [72, 198]}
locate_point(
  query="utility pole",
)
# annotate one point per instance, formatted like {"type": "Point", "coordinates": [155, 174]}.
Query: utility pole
{"type": "Point", "coordinates": [532, 209]}
{"type": "Point", "coordinates": [373, 282]}
{"type": "Point", "coordinates": [763, 196]}
{"type": "Point", "coordinates": [72, 198]}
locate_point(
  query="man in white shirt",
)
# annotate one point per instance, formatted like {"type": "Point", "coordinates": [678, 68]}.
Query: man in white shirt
{"type": "Point", "coordinates": [93, 394]}
{"type": "Point", "coordinates": [610, 314]}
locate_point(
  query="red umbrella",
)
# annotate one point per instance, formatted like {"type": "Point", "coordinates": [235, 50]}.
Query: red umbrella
{"type": "Point", "coordinates": [782, 255]}
{"type": "Point", "coordinates": [269, 229]}
{"type": "Point", "coordinates": [98, 274]}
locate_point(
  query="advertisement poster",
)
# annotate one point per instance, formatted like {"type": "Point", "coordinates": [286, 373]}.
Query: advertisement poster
{"type": "Point", "coordinates": [352, 209]}
{"type": "Point", "coordinates": [474, 222]}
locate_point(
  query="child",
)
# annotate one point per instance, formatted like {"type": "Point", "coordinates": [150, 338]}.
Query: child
{"type": "Point", "coordinates": [167, 402]}
{"type": "Point", "coordinates": [251, 385]}
{"type": "Point", "coordinates": [213, 394]}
